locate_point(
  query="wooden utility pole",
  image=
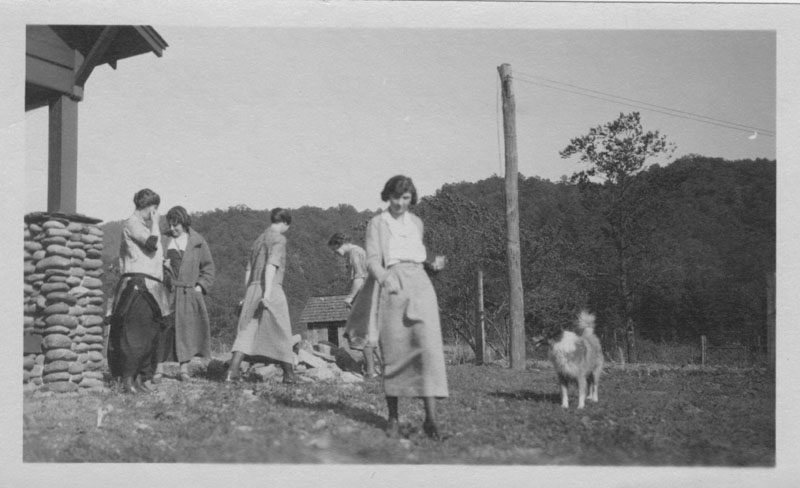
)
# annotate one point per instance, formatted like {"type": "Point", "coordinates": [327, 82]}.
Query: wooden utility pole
{"type": "Point", "coordinates": [517, 314]}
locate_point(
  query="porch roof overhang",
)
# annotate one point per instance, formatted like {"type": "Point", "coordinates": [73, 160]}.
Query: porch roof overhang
{"type": "Point", "coordinates": [60, 58]}
{"type": "Point", "coordinates": [58, 61]}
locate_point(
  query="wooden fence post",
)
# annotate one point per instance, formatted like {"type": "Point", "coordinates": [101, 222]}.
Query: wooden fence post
{"type": "Point", "coordinates": [630, 336]}
{"type": "Point", "coordinates": [703, 350]}
{"type": "Point", "coordinates": [480, 332]}
{"type": "Point", "coordinates": [771, 321]}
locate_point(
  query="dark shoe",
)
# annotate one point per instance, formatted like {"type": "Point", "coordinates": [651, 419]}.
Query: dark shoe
{"type": "Point", "coordinates": [128, 386]}
{"type": "Point", "coordinates": [392, 428]}
{"type": "Point", "coordinates": [141, 386]}
{"type": "Point", "coordinates": [288, 374]}
{"type": "Point", "coordinates": [431, 431]}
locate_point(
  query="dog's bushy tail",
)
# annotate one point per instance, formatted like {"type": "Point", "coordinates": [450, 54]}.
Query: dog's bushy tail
{"type": "Point", "coordinates": [586, 322]}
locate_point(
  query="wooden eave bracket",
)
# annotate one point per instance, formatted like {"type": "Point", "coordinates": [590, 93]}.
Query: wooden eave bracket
{"type": "Point", "coordinates": [95, 54]}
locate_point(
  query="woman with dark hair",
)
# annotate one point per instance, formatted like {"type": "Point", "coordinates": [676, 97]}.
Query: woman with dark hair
{"type": "Point", "coordinates": [140, 300]}
{"type": "Point", "coordinates": [189, 275]}
{"type": "Point", "coordinates": [404, 307]}
{"type": "Point", "coordinates": [264, 327]}
{"type": "Point", "coordinates": [342, 245]}
{"type": "Point", "coordinates": [357, 272]}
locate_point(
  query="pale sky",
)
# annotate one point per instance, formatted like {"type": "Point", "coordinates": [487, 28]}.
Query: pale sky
{"type": "Point", "coordinates": [277, 116]}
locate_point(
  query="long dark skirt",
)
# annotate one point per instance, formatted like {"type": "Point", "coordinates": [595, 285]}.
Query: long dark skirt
{"type": "Point", "coordinates": [166, 349]}
{"type": "Point", "coordinates": [134, 334]}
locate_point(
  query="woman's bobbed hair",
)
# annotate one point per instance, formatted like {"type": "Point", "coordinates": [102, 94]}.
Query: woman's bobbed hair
{"type": "Point", "coordinates": [278, 215]}
{"type": "Point", "coordinates": [178, 215]}
{"type": "Point", "coordinates": [337, 239]}
{"type": "Point", "coordinates": [146, 197]}
{"type": "Point", "coordinates": [397, 186]}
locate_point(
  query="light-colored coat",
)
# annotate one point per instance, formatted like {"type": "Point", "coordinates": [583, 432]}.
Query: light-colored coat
{"type": "Point", "coordinates": [361, 327]}
{"type": "Point", "coordinates": [378, 243]}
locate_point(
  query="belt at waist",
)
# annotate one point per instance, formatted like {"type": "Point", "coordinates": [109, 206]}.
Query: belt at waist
{"type": "Point", "coordinates": [405, 264]}
{"type": "Point", "coordinates": [259, 284]}
{"type": "Point", "coordinates": [140, 275]}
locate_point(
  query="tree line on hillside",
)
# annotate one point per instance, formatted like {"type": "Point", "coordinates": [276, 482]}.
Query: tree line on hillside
{"type": "Point", "coordinates": [662, 253]}
{"type": "Point", "coordinates": [668, 252]}
{"type": "Point", "coordinates": [702, 260]}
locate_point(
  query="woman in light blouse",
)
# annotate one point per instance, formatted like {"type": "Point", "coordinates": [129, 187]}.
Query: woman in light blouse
{"type": "Point", "coordinates": [140, 300]}
{"type": "Point", "coordinates": [405, 309]}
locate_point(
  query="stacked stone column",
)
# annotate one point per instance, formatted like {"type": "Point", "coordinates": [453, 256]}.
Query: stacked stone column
{"type": "Point", "coordinates": [64, 302]}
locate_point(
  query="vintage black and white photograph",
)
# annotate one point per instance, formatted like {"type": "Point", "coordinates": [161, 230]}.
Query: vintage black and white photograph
{"type": "Point", "coordinates": [449, 235]}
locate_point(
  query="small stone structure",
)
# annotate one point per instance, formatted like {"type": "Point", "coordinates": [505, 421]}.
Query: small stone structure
{"type": "Point", "coordinates": [63, 323]}
{"type": "Point", "coordinates": [325, 318]}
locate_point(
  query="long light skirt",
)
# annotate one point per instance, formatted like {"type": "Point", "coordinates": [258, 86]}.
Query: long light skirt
{"type": "Point", "coordinates": [410, 336]}
{"type": "Point", "coordinates": [265, 332]}
{"type": "Point", "coordinates": [361, 327]}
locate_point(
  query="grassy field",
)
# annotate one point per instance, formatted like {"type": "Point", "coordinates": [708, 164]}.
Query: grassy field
{"type": "Point", "coordinates": [647, 416]}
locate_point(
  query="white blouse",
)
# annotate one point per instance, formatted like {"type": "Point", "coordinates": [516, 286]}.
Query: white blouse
{"type": "Point", "coordinates": [179, 243]}
{"type": "Point", "coordinates": [133, 257]}
{"type": "Point", "coordinates": [405, 240]}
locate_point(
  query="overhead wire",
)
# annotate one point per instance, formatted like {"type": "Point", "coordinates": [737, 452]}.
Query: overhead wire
{"type": "Point", "coordinates": [645, 103]}
{"type": "Point", "coordinates": [523, 77]}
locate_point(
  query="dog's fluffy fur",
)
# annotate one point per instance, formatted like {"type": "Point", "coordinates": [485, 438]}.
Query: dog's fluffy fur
{"type": "Point", "coordinates": [578, 358]}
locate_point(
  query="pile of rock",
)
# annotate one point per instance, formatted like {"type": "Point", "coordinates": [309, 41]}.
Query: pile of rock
{"type": "Point", "coordinates": [317, 362]}
{"type": "Point", "coordinates": [63, 302]}
{"type": "Point", "coordinates": [327, 362]}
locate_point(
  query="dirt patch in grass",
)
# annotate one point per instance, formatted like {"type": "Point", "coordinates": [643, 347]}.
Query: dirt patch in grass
{"type": "Point", "coordinates": [646, 416]}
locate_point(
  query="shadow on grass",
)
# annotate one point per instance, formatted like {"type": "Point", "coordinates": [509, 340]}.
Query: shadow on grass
{"type": "Point", "coordinates": [355, 413]}
{"type": "Point", "coordinates": [527, 395]}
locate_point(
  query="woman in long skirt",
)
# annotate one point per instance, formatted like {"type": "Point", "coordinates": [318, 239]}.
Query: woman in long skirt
{"type": "Point", "coordinates": [140, 301]}
{"type": "Point", "coordinates": [405, 310]}
{"type": "Point", "coordinates": [190, 274]}
{"type": "Point", "coordinates": [264, 327]}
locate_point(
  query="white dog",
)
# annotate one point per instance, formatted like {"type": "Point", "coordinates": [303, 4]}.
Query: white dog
{"type": "Point", "coordinates": [578, 358]}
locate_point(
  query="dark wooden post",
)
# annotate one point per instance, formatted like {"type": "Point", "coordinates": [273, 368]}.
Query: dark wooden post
{"type": "Point", "coordinates": [771, 321]}
{"type": "Point", "coordinates": [62, 174]}
{"type": "Point", "coordinates": [480, 332]}
{"type": "Point", "coordinates": [630, 334]}
{"type": "Point", "coordinates": [703, 349]}
{"type": "Point", "coordinates": [517, 313]}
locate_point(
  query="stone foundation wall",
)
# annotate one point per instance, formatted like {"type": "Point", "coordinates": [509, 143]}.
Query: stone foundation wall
{"type": "Point", "coordinates": [63, 302]}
